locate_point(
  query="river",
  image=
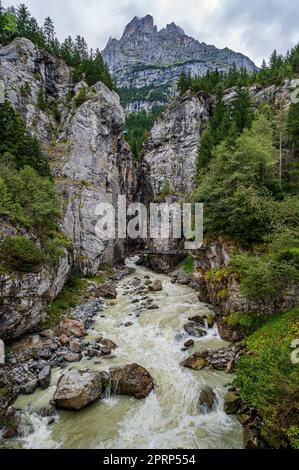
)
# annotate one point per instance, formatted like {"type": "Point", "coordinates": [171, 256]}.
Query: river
{"type": "Point", "coordinates": [170, 417]}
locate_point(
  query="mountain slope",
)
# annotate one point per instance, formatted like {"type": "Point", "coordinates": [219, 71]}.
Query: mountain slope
{"type": "Point", "coordinates": [146, 59]}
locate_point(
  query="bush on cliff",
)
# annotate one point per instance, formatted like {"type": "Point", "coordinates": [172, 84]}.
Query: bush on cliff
{"type": "Point", "coordinates": [21, 254]}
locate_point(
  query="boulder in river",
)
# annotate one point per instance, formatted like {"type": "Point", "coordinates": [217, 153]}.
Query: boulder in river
{"type": "Point", "coordinates": [72, 328]}
{"type": "Point", "coordinates": [44, 377]}
{"type": "Point", "coordinates": [195, 330]}
{"type": "Point", "coordinates": [75, 346]}
{"type": "Point", "coordinates": [198, 319]}
{"type": "Point", "coordinates": [72, 357]}
{"type": "Point", "coordinates": [108, 343]}
{"type": "Point", "coordinates": [77, 389]}
{"type": "Point", "coordinates": [189, 344]}
{"type": "Point", "coordinates": [195, 362]}
{"type": "Point", "coordinates": [131, 380]}
{"type": "Point", "coordinates": [207, 400]}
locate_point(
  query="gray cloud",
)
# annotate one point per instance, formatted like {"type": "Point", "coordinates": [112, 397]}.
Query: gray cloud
{"type": "Point", "coordinates": [254, 28]}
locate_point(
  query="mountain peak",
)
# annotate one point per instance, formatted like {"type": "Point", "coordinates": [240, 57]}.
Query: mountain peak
{"type": "Point", "coordinates": [143, 25]}
{"type": "Point", "coordinates": [173, 28]}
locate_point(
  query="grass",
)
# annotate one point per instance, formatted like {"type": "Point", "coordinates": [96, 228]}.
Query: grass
{"type": "Point", "coordinates": [71, 296]}
{"type": "Point", "coordinates": [68, 298]}
{"type": "Point", "coordinates": [188, 265]}
{"type": "Point", "coordinates": [246, 323]}
{"type": "Point", "coordinates": [268, 379]}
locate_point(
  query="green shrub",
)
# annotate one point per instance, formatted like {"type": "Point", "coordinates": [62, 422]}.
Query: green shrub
{"type": "Point", "coordinates": [188, 265]}
{"type": "Point", "coordinates": [21, 254]}
{"type": "Point", "coordinates": [264, 278]}
{"type": "Point", "coordinates": [68, 298]}
{"type": "Point", "coordinates": [33, 199]}
{"type": "Point", "coordinates": [17, 147]}
{"type": "Point", "coordinates": [246, 323]}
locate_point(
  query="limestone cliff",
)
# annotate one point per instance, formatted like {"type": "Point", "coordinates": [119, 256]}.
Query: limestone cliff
{"type": "Point", "coordinates": [83, 140]}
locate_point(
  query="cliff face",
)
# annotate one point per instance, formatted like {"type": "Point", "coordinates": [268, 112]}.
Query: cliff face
{"type": "Point", "coordinates": [221, 289]}
{"type": "Point", "coordinates": [147, 58]}
{"type": "Point", "coordinates": [171, 150]}
{"type": "Point", "coordinates": [91, 164]}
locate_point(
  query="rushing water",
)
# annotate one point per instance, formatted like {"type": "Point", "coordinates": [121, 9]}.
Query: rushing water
{"type": "Point", "coordinates": [170, 417]}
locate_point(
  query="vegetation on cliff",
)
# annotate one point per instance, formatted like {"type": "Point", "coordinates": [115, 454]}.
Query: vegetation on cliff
{"type": "Point", "coordinates": [268, 378]}
{"type": "Point", "coordinates": [28, 197]}
{"type": "Point", "coordinates": [278, 69]}
{"type": "Point", "coordinates": [138, 126]}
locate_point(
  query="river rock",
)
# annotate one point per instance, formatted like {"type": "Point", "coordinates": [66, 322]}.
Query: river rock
{"type": "Point", "coordinates": [108, 343]}
{"type": "Point", "coordinates": [72, 328]}
{"type": "Point", "coordinates": [198, 319]}
{"type": "Point", "coordinates": [195, 329]}
{"type": "Point", "coordinates": [29, 387]}
{"type": "Point", "coordinates": [232, 403]}
{"type": "Point", "coordinates": [106, 351]}
{"type": "Point", "coordinates": [195, 362]}
{"type": "Point", "coordinates": [75, 346]}
{"type": "Point", "coordinates": [131, 380]}
{"type": "Point", "coordinates": [106, 291]}
{"type": "Point", "coordinates": [77, 389]}
{"type": "Point", "coordinates": [189, 344]}
{"type": "Point", "coordinates": [251, 437]}
{"type": "Point", "coordinates": [207, 400]}
{"type": "Point", "coordinates": [44, 378]}
{"type": "Point", "coordinates": [48, 334]}
{"type": "Point", "coordinates": [64, 340]}
{"type": "Point", "coordinates": [156, 286]}
{"type": "Point", "coordinates": [72, 357]}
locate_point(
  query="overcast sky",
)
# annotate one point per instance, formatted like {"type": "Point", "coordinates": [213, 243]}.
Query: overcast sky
{"type": "Point", "coordinates": [253, 27]}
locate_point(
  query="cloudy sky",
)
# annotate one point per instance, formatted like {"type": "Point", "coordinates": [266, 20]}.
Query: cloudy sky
{"type": "Point", "coordinates": [252, 27]}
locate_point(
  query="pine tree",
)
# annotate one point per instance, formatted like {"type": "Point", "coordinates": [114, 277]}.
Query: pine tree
{"type": "Point", "coordinates": [242, 113]}
{"type": "Point", "coordinates": [23, 20]}
{"type": "Point", "coordinates": [2, 23]}
{"type": "Point", "coordinates": [183, 84]}
{"type": "Point", "coordinates": [49, 31]}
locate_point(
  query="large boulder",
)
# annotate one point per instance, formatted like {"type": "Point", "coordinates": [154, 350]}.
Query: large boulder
{"type": "Point", "coordinates": [207, 400]}
{"type": "Point", "coordinates": [44, 377]}
{"type": "Point", "coordinates": [131, 380]}
{"type": "Point", "coordinates": [156, 286]}
{"type": "Point", "coordinates": [77, 389]}
{"type": "Point", "coordinates": [195, 330]}
{"type": "Point", "coordinates": [72, 328]}
{"type": "Point", "coordinates": [195, 362]}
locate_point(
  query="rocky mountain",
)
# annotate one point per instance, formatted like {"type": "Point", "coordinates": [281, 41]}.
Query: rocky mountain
{"type": "Point", "coordinates": [91, 164]}
{"type": "Point", "coordinates": [149, 62]}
